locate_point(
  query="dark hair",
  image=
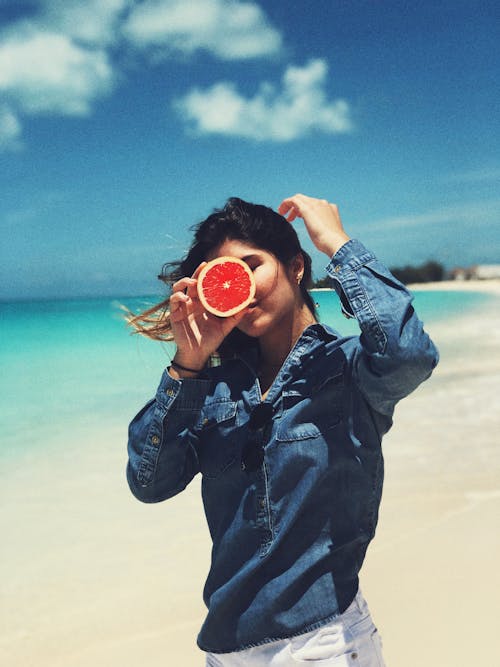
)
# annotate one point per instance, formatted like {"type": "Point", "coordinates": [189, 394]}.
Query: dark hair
{"type": "Point", "coordinates": [254, 224]}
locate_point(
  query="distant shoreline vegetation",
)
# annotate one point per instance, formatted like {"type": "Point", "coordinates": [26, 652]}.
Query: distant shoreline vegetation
{"type": "Point", "coordinates": [428, 272]}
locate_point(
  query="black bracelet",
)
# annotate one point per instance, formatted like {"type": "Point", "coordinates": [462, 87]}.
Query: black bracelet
{"type": "Point", "coordinates": [180, 367]}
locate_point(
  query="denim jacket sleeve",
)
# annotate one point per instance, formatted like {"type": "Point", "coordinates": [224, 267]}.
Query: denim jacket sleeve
{"type": "Point", "coordinates": [162, 459]}
{"type": "Point", "coordinates": [395, 354]}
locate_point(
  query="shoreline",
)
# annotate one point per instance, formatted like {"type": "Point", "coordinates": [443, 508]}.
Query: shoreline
{"type": "Point", "coordinates": [490, 286]}
{"type": "Point", "coordinates": [487, 286]}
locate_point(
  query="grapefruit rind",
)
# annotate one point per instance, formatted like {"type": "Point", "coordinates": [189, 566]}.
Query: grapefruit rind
{"type": "Point", "coordinates": [222, 294]}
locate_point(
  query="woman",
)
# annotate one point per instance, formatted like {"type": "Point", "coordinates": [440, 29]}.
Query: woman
{"type": "Point", "coordinates": [286, 432]}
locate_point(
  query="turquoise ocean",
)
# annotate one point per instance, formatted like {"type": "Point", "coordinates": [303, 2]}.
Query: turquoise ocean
{"type": "Point", "coordinates": [71, 373]}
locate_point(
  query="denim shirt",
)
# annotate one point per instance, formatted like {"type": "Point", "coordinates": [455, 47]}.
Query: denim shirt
{"type": "Point", "coordinates": [289, 539]}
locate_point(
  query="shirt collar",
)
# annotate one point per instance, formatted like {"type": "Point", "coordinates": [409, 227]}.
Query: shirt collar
{"type": "Point", "coordinates": [316, 331]}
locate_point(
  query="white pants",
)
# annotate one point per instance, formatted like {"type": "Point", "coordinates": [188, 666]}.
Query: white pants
{"type": "Point", "coordinates": [350, 640]}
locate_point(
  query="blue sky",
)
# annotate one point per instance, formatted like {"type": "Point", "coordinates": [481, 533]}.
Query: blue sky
{"type": "Point", "coordinates": [123, 123]}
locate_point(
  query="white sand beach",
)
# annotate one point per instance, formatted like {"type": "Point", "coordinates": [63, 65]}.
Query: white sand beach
{"type": "Point", "coordinates": [93, 578]}
{"type": "Point", "coordinates": [491, 286]}
{"type": "Point", "coordinates": [431, 575]}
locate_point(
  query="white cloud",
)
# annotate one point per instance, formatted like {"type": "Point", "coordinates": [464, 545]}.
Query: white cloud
{"type": "Point", "coordinates": [47, 72]}
{"type": "Point", "coordinates": [10, 130]}
{"type": "Point", "coordinates": [59, 61]}
{"type": "Point", "coordinates": [229, 29]}
{"type": "Point", "coordinates": [297, 108]}
{"type": "Point", "coordinates": [94, 22]}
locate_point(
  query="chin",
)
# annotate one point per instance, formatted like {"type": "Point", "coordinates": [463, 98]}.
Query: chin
{"type": "Point", "coordinates": [254, 325]}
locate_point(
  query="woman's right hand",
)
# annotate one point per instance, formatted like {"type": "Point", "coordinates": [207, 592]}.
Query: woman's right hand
{"type": "Point", "coordinates": [322, 220]}
{"type": "Point", "coordinates": [197, 333]}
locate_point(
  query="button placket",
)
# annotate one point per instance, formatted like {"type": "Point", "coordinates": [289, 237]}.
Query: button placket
{"type": "Point", "coordinates": [264, 515]}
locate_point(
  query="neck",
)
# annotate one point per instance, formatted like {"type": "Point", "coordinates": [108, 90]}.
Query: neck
{"type": "Point", "coordinates": [276, 345]}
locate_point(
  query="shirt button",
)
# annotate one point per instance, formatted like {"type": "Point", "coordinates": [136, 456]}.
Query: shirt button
{"type": "Point", "coordinates": [354, 656]}
{"type": "Point", "coordinates": [170, 392]}
{"type": "Point", "coordinates": [155, 440]}
{"type": "Point", "coordinates": [337, 268]}
{"type": "Point", "coordinates": [262, 503]}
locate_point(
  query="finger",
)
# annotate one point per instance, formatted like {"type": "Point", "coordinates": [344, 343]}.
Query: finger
{"type": "Point", "coordinates": [178, 315]}
{"type": "Point", "coordinates": [180, 299]}
{"type": "Point", "coordinates": [177, 298]}
{"type": "Point", "coordinates": [284, 207]}
{"type": "Point", "coordinates": [198, 270]}
{"type": "Point", "coordinates": [288, 211]}
{"type": "Point", "coordinates": [287, 205]}
{"type": "Point", "coordinates": [293, 207]}
{"type": "Point", "coordinates": [292, 214]}
{"type": "Point", "coordinates": [178, 306]}
{"type": "Point", "coordinates": [182, 284]}
{"type": "Point", "coordinates": [192, 289]}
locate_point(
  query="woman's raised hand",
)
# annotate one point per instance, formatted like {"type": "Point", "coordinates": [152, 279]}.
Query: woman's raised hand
{"type": "Point", "coordinates": [197, 334]}
{"type": "Point", "coordinates": [321, 218]}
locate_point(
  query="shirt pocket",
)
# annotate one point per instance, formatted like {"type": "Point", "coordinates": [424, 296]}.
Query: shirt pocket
{"type": "Point", "coordinates": [311, 410]}
{"type": "Point", "coordinates": [217, 445]}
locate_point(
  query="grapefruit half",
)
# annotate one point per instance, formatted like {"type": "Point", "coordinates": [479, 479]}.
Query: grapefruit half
{"type": "Point", "coordinates": [225, 286]}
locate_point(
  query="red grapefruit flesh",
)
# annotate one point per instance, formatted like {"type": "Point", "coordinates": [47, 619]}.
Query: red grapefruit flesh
{"type": "Point", "coordinates": [225, 286]}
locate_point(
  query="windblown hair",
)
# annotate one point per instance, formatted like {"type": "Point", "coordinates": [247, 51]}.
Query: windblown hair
{"type": "Point", "coordinates": [239, 220]}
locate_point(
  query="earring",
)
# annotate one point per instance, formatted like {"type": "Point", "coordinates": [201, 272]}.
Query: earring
{"type": "Point", "coordinates": [299, 278]}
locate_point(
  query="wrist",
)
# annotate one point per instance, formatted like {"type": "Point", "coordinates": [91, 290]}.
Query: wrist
{"type": "Point", "coordinates": [181, 375]}
{"type": "Point", "coordinates": [335, 244]}
{"type": "Point", "coordinates": [186, 368]}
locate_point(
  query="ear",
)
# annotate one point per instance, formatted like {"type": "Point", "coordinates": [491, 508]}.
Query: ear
{"type": "Point", "coordinates": [296, 269]}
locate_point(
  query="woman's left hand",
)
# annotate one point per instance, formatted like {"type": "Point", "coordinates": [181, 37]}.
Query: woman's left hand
{"type": "Point", "coordinates": [321, 218]}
